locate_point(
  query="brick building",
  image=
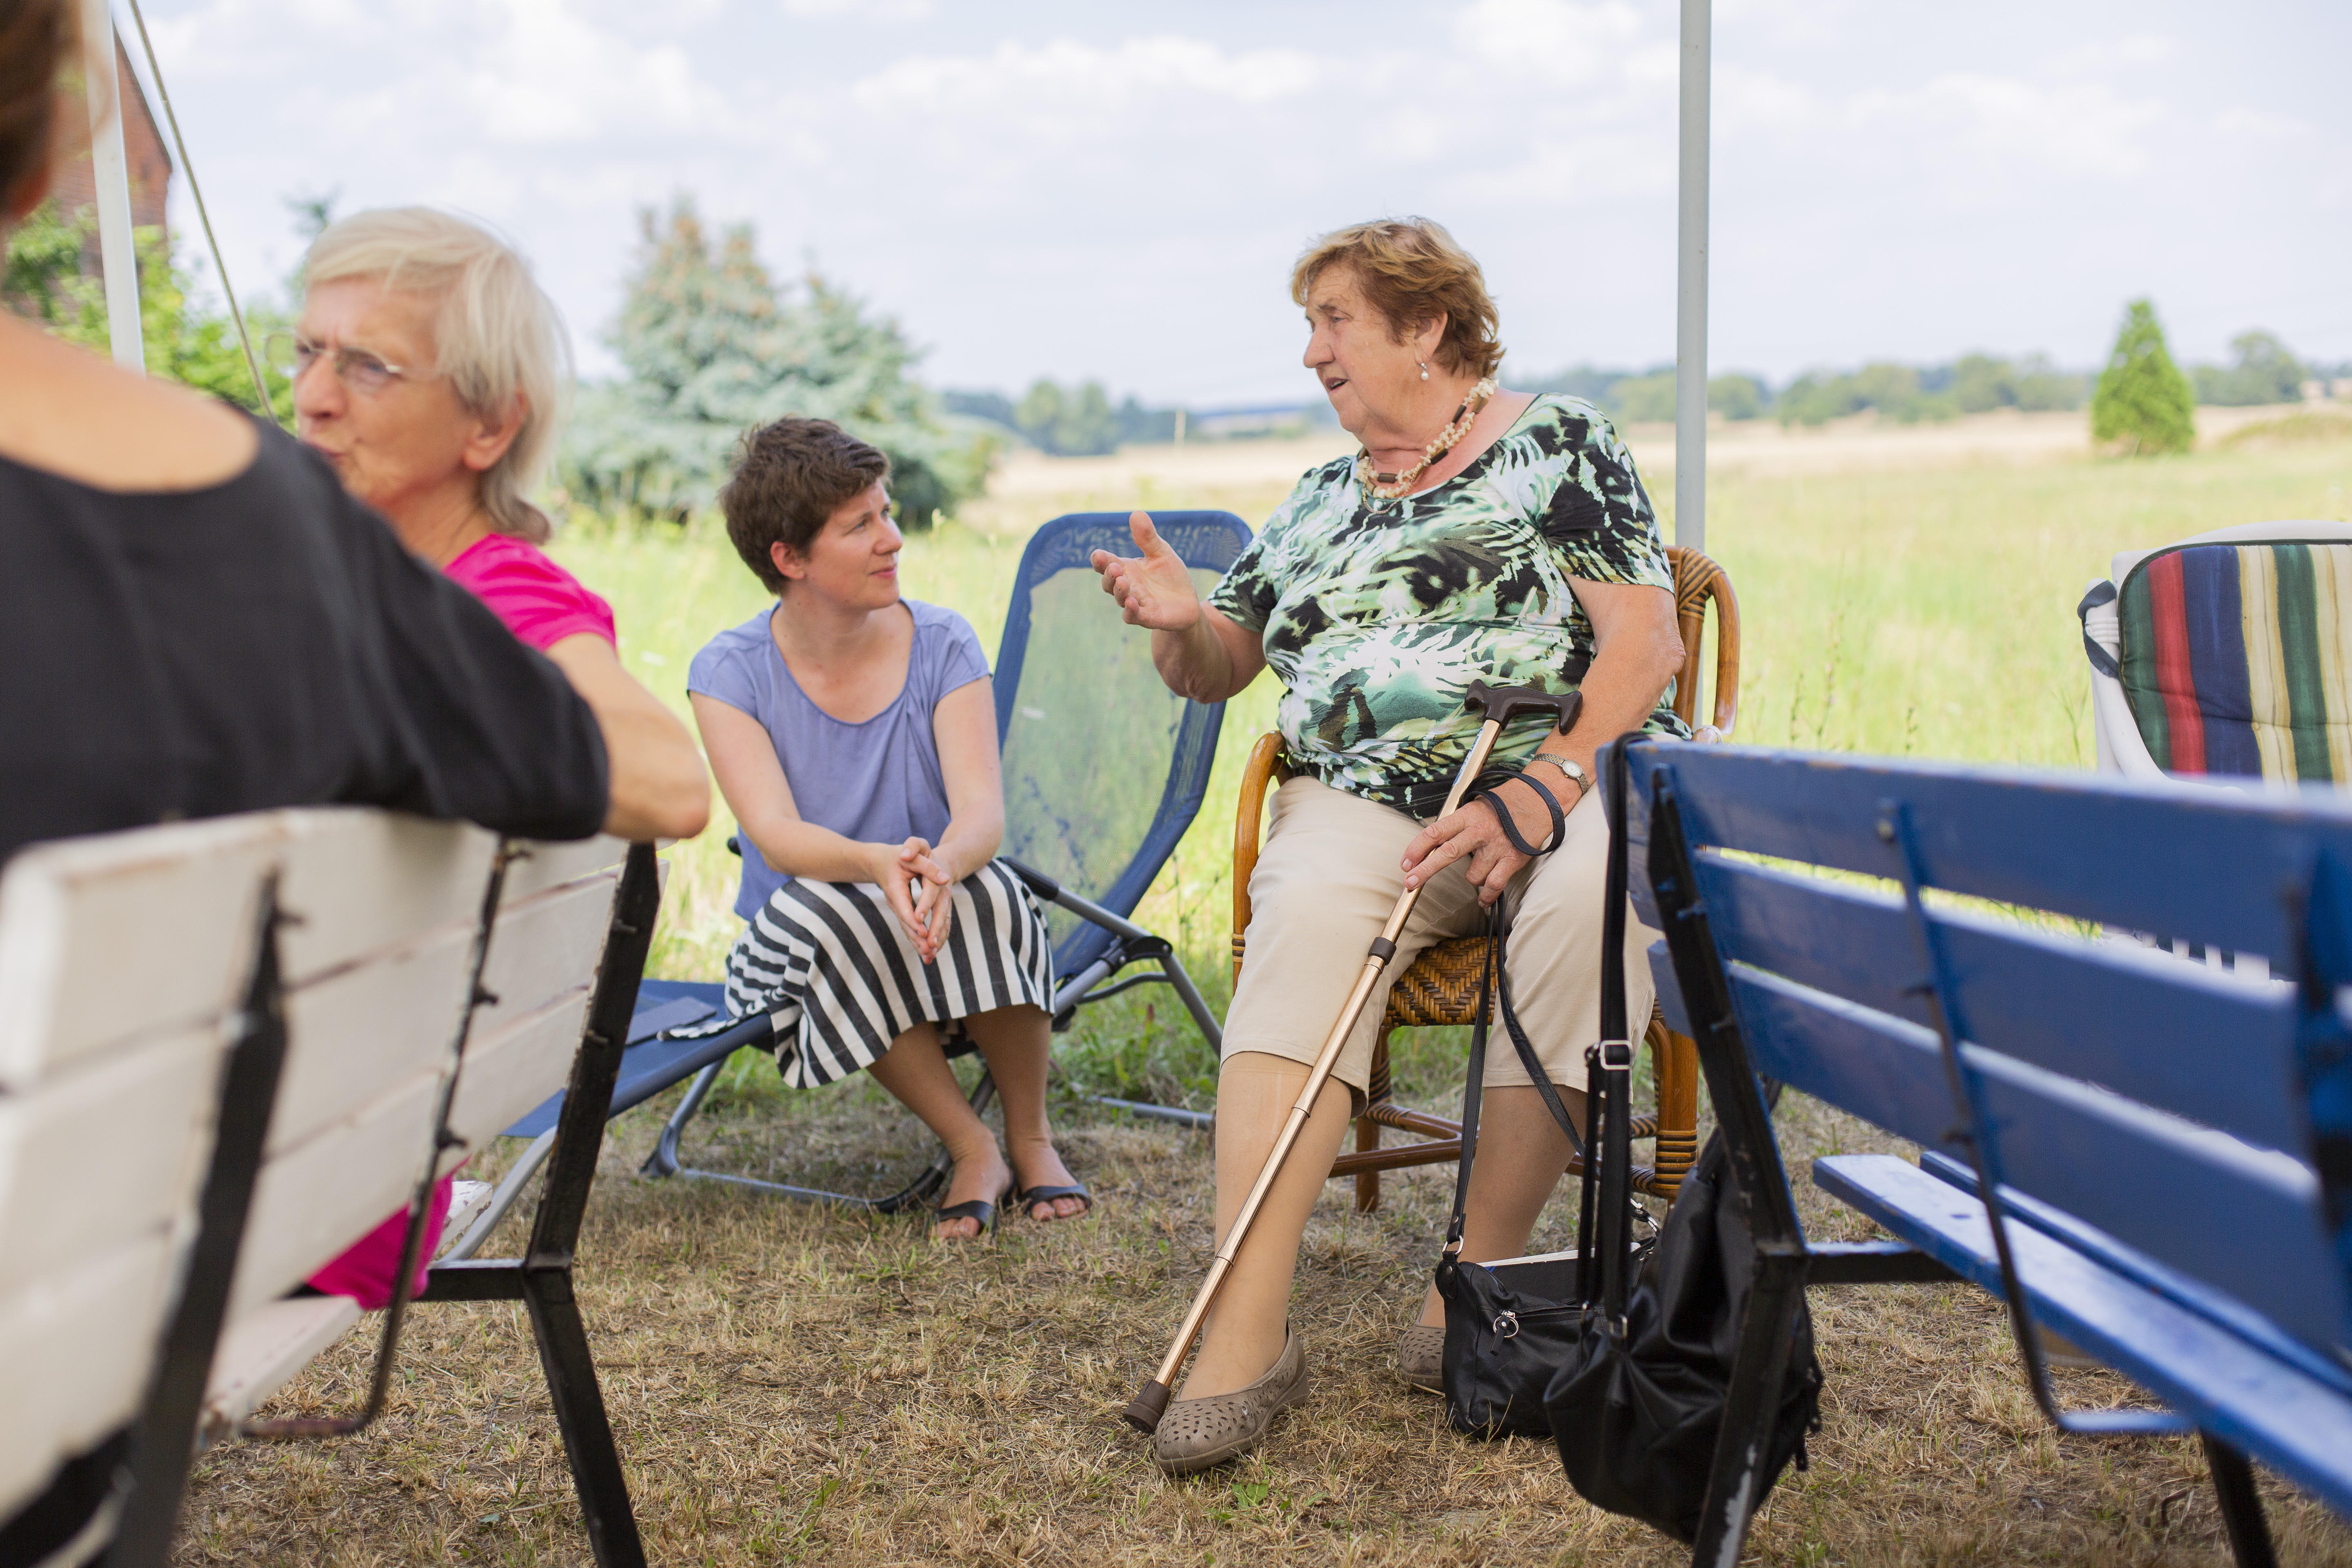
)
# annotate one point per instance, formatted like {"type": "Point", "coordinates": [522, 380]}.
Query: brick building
{"type": "Point", "coordinates": [75, 186]}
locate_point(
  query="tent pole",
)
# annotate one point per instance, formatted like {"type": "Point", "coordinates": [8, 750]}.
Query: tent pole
{"type": "Point", "coordinates": [110, 171]}
{"type": "Point", "coordinates": [1690, 282]}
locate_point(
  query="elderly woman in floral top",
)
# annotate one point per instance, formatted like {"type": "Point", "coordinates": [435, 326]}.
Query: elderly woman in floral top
{"type": "Point", "coordinates": [1479, 534]}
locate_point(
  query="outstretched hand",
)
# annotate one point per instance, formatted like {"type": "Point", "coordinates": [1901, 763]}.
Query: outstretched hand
{"type": "Point", "coordinates": [1153, 589]}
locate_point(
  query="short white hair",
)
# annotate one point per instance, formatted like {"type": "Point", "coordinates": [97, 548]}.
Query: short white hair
{"type": "Point", "coordinates": [495, 334]}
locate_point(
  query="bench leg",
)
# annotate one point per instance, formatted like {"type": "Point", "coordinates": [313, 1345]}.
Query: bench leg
{"type": "Point", "coordinates": [570, 1371]}
{"type": "Point", "coordinates": [1749, 1408]}
{"type": "Point", "coordinates": [2241, 1504]}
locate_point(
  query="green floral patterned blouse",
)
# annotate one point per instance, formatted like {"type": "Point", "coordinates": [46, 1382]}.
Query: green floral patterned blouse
{"type": "Point", "coordinates": [1377, 615]}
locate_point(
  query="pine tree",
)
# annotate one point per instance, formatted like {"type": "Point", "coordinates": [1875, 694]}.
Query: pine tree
{"type": "Point", "coordinates": [711, 348]}
{"type": "Point", "coordinates": [2142, 398]}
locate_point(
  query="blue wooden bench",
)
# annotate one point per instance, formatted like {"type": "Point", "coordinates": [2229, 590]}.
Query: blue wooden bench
{"type": "Point", "coordinates": [2167, 1147]}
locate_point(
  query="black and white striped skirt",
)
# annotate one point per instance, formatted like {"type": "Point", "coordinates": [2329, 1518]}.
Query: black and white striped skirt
{"type": "Point", "coordinates": [840, 979]}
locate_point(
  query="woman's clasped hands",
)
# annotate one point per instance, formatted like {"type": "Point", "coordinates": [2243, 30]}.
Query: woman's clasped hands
{"type": "Point", "coordinates": [917, 887]}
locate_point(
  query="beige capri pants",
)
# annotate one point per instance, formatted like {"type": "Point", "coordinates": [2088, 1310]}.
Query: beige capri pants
{"type": "Point", "coordinates": [1326, 880]}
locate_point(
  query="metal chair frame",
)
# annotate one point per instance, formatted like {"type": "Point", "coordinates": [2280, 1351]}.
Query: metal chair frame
{"type": "Point", "coordinates": [1441, 986]}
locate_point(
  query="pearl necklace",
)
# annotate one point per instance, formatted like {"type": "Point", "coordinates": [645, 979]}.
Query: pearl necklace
{"type": "Point", "coordinates": [1390, 487]}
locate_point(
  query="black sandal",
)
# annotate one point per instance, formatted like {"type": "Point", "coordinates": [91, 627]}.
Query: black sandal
{"type": "Point", "coordinates": [980, 1210]}
{"type": "Point", "coordinates": [1032, 1197]}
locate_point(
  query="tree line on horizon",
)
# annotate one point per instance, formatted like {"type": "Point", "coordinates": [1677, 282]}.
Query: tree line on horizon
{"type": "Point", "coordinates": [711, 344]}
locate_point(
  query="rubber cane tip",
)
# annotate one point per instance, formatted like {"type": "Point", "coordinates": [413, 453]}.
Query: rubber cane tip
{"type": "Point", "coordinates": [1147, 1407]}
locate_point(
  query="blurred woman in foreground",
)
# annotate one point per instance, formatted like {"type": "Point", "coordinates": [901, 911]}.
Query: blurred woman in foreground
{"type": "Point", "coordinates": [196, 620]}
{"type": "Point", "coordinates": [429, 370]}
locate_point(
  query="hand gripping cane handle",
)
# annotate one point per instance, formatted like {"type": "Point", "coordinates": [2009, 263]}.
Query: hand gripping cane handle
{"type": "Point", "coordinates": [1501, 704]}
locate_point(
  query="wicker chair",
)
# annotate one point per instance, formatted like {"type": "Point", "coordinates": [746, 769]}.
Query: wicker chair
{"type": "Point", "coordinates": [1441, 987]}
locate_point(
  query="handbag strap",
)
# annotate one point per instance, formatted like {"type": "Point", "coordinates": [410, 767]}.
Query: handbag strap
{"type": "Point", "coordinates": [1471, 1086]}
{"type": "Point", "coordinates": [1616, 1059]}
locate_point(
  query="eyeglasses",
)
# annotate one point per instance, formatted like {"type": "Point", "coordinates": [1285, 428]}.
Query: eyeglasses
{"type": "Point", "coordinates": [291, 355]}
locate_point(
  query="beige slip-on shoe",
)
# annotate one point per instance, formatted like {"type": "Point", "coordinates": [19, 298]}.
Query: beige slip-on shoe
{"type": "Point", "coordinates": [1421, 1358]}
{"type": "Point", "coordinates": [1198, 1433]}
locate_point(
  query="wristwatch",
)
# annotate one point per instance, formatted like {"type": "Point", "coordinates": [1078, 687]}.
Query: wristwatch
{"type": "Point", "coordinates": [1582, 779]}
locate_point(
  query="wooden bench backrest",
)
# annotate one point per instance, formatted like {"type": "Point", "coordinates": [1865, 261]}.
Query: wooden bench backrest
{"type": "Point", "coordinates": [124, 963]}
{"type": "Point", "coordinates": [2163, 1103]}
{"type": "Point", "coordinates": [375, 972]}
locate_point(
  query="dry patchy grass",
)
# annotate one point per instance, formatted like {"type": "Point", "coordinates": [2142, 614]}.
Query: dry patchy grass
{"type": "Point", "coordinates": [798, 1384]}
{"type": "Point", "coordinates": [791, 1384]}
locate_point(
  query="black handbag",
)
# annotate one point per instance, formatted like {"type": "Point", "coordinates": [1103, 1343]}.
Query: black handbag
{"type": "Point", "coordinates": [1510, 1325]}
{"type": "Point", "coordinates": [1636, 1403]}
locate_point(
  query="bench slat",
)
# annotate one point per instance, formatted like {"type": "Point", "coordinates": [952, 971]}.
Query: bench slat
{"type": "Point", "coordinates": [545, 946]}
{"type": "Point", "coordinates": [2099, 849]}
{"type": "Point", "coordinates": [2244, 1219]}
{"type": "Point", "coordinates": [260, 1353]}
{"type": "Point", "coordinates": [76, 1352]}
{"type": "Point", "coordinates": [101, 1157]}
{"type": "Point", "coordinates": [2255, 1402]}
{"type": "Point", "coordinates": [2142, 1270]}
{"type": "Point", "coordinates": [2173, 1034]}
{"type": "Point", "coordinates": [404, 1004]}
{"type": "Point", "coordinates": [122, 937]}
{"type": "Point", "coordinates": [547, 865]}
{"type": "Point", "coordinates": [314, 1200]}
{"type": "Point", "coordinates": [360, 1032]}
{"type": "Point", "coordinates": [361, 882]}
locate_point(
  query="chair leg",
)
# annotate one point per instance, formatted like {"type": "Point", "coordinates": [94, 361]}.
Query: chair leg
{"type": "Point", "coordinates": [1367, 1183]}
{"type": "Point", "coordinates": [1674, 1059]}
{"type": "Point", "coordinates": [570, 1370]}
{"type": "Point", "coordinates": [664, 1160]}
{"type": "Point", "coordinates": [2241, 1504]}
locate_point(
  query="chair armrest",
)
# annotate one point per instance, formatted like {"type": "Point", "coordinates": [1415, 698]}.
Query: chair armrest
{"type": "Point", "coordinates": [1265, 765]}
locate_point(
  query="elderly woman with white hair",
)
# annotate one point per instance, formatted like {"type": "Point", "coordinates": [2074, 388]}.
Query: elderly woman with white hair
{"type": "Point", "coordinates": [429, 370]}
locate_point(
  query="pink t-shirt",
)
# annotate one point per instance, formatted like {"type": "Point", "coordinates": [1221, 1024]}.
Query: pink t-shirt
{"type": "Point", "coordinates": [541, 604]}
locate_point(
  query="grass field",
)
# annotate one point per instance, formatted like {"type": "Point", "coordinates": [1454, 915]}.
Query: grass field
{"type": "Point", "coordinates": [799, 1385]}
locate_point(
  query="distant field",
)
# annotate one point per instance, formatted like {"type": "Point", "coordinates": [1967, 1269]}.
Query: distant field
{"type": "Point", "coordinates": [1924, 611]}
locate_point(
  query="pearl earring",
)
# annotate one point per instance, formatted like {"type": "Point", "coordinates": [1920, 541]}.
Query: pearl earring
{"type": "Point", "coordinates": [1424, 368]}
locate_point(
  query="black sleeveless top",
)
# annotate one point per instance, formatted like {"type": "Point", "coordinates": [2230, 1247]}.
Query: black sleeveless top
{"type": "Point", "coordinates": [265, 642]}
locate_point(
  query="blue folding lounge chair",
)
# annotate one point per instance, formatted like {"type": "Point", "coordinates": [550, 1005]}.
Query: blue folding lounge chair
{"type": "Point", "coordinates": [1104, 770]}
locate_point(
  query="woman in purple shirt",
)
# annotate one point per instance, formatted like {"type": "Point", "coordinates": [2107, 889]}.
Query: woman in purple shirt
{"type": "Point", "coordinates": [853, 733]}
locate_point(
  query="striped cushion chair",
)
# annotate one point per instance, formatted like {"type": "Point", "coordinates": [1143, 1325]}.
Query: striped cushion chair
{"type": "Point", "coordinates": [2228, 653]}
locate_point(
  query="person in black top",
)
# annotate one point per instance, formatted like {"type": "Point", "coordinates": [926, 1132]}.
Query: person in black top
{"type": "Point", "coordinates": [196, 619]}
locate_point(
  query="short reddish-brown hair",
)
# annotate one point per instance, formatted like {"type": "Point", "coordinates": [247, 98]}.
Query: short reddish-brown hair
{"type": "Point", "coordinates": [1412, 271]}
{"type": "Point", "coordinates": [791, 476]}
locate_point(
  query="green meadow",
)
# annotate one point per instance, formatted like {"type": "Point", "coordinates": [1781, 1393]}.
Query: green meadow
{"type": "Point", "coordinates": [1927, 613]}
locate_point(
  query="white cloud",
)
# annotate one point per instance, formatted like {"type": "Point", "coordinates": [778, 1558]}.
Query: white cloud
{"type": "Point", "coordinates": [1073, 192]}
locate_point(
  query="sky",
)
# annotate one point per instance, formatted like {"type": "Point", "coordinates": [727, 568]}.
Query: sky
{"type": "Point", "coordinates": [1032, 187]}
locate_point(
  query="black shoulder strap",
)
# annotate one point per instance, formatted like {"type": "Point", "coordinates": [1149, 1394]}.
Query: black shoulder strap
{"type": "Point", "coordinates": [1616, 1056]}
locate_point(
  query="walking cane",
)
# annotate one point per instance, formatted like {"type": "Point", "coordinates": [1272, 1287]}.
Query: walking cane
{"type": "Point", "coordinates": [1499, 705]}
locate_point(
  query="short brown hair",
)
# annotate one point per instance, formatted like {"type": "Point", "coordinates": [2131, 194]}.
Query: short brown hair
{"type": "Point", "coordinates": [36, 36]}
{"type": "Point", "coordinates": [790, 476]}
{"type": "Point", "coordinates": [1412, 271]}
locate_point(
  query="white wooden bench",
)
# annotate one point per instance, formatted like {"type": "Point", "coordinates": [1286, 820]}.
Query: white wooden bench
{"type": "Point", "coordinates": [126, 968]}
{"type": "Point", "coordinates": [398, 939]}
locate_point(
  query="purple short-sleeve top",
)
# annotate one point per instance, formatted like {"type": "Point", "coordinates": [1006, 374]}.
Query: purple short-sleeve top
{"type": "Point", "coordinates": [879, 782]}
